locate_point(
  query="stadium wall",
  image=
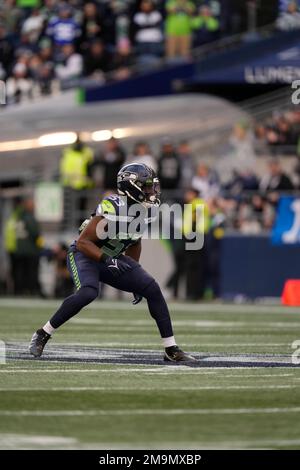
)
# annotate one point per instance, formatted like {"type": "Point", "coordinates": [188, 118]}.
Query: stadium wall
{"type": "Point", "coordinates": [252, 267]}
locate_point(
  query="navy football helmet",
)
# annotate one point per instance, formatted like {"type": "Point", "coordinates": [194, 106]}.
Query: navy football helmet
{"type": "Point", "coordinates": [140, 183]}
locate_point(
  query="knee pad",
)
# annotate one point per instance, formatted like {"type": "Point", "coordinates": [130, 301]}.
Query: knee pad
{"type": "Point", "coordinates": [87, 294]}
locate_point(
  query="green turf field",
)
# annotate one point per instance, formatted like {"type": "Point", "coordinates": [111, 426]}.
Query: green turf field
{"type": "Point", "coordinates": [74, 404]}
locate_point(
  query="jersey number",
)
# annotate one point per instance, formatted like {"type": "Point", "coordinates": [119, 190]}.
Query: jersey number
{"type": "Point", "coordinates": [114, 247]}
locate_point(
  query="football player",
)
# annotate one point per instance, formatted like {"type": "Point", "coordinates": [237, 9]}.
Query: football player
{"type": "Point", "coordinates": [95, 257]}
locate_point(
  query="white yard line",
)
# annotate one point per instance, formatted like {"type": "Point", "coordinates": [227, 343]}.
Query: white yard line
{"type": "Point", "coordinates": [78, 371]}
{"type": "Point", "coordinates": [178, 306]}
{"type": "Point", "coordinates": [151, 412]}
{"type": "Point", "coordinates": [168, 370]}
{"type": "Point", "coordinates": [119, 344]}
{"type": "Point", "coordinates": [15, 440]}
{"type": "Point", "coordinates": [22, 441]}
{"type": "Point", "coordinates": [116, 370]}
{"type": "Point", "coordinates": [203, 445]}
{"type": "Point", "coordinates": [128, 325]}
{"type": "Point", "coordinates": [148, 389]}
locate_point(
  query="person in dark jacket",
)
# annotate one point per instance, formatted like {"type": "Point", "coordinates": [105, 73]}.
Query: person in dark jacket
{"type": "Point", "coordinates": [96, 60]}
{"type": "Point", "coordinates": [92, 25]}
{"type": "Point", "coordinates": [111, 160]}
{"type": "Point", "coordinates": [27, 250]}
{"type": "Point", "coordinates": [6, 52]}
{"type": "Point", "coordinates": [276, 179]}
{"type": "Point", "coordinates": [169, 169]}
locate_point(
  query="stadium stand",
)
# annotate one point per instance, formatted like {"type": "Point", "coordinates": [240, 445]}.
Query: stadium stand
{"type": "Point", "coordinates": [51, 44]}
{"type": "Point", "coordinates": [239, 158]}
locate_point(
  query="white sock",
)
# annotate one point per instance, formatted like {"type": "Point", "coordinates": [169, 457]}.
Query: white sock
{"type": "Point", "coordinates": [49, 328]}
{"type": "Point", "coordinates": [167, 342]}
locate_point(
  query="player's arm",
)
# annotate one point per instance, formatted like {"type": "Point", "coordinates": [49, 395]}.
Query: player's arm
{"type": "Point", "coordinates": [134, 251]}
{"type": "Point", "coordinates": [86, 243]}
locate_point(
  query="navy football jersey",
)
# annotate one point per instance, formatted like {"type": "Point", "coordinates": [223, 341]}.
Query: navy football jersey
{"type": "Point", "coordinates": [126, 223]}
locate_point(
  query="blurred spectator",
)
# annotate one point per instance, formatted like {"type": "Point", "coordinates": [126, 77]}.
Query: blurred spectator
{"type": "Point", "coordinates": [122, 62]}
{"type": "Point", "coordinates": [179, 27]}
{"type": "Point", "coordinates": [239, 157]}
{"type": "Point", "coordinates": [276, 179]}
{"type": "Point", "coordinates": [71, 65]}
{"type": "Point", "coordinates": [11, 16]}
{"type": "Point", "coordinates": [75, 172]}
{"type": "Point", "coordinates": [6, 52]}
{"type": "Point", "coordinates": [206, 182]}
{"type": "Point", "coordinates": [43, 72]}
{"type": "Point", "coordinates": [75, 165]}
{"type": "Point", "coordinates": [186, 163]}
{"type": "Point", "coordinates": [169, 168]}
{"type": "Point", "coordinates": [178, 254]}
{"type": "Point", "coordinates": [246, 221]}
{"type": "Point", "coordinates": [147, 30]}
{"type": "Point", "coordinates": [96, 61]}
{"type": "Point", "coordinates": [33, 25]}
{"type": "Point", "coordinates": [142, 154]}
{"type": "Point", "coordinates": [23, 243]}
{"type": "Point", "coordinates": [92, 25]}
{"type": "Point", "coordinates": [112, 159]}
{"type": "Point", "coordinates": [215, 233]}
{"type": "Point", "coordinates": [19, 84]}
{"type": "Point", "coordinates": [245, 180]}
{"type": "Point", "coordinates": [116, 14]}
{"type": "Point", "coordinates": [63, 29]}
{"type": "Point", "coordinates": [289, 19]}
{"type": "Point", "coordinates": [280, 132]}
{"type": "Point", "coordinates": [63, 282]}
{"type": "Point", "coordinates": [205, 26]}
{"type": "Point", "coordinates": [10, 246]}
{"type": "Point", "coordinates": [264, 211]}
{"type": "Point", "coordinates": [195, 224]}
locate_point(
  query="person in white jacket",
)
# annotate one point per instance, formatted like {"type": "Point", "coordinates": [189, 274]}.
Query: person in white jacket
{"type": "Point", "coordinates": [72, 65]}
{"type": "Point", "coordinates": [289, 19]}
{"type": "Point", "coordinates": [142, 154]}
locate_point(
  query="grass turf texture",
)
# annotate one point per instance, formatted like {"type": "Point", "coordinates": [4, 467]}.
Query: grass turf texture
{"type": "Point", "coordinates": [90, 405]}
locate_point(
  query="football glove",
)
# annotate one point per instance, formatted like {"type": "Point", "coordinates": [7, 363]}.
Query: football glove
{"type": "Point", "coordinates": [115, 265]}
{"type": "Point", "coordinates": [137, 298]}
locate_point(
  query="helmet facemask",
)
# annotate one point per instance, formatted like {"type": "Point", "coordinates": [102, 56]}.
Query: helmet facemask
{"type": "Point", "coordinates": [151, 190]}
{"type": "Point", "coordinates": [146, 193]}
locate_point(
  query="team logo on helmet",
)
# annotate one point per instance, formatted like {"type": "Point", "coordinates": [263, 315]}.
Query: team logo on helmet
{"type": "Point", "coordinates": [140, 183]}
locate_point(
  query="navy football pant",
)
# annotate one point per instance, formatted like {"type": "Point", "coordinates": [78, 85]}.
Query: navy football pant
{"type": "Point", "coordinates": [87, 274]}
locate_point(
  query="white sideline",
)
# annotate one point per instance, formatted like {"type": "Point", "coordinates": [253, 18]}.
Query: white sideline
{"type": "Point", "coordinates": [149, 411]}
{"type": "Point", "coordinates": [168, 370]}
{"type": "Point", "coordinates": [143, 345]}
{"type": "Point", "coordinates": [148, 389]}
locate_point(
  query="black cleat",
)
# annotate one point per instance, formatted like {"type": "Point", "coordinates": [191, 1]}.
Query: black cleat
{"type": "Point", "coordinates": [174, 354]}
{"type": "Point", "coordinates": [38, 341]}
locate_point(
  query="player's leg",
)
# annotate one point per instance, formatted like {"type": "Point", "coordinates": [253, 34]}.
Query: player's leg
{"type": "Point", "coordinates": [140, 282]}
{"type": "Point", "coordinates": [85, 274]}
